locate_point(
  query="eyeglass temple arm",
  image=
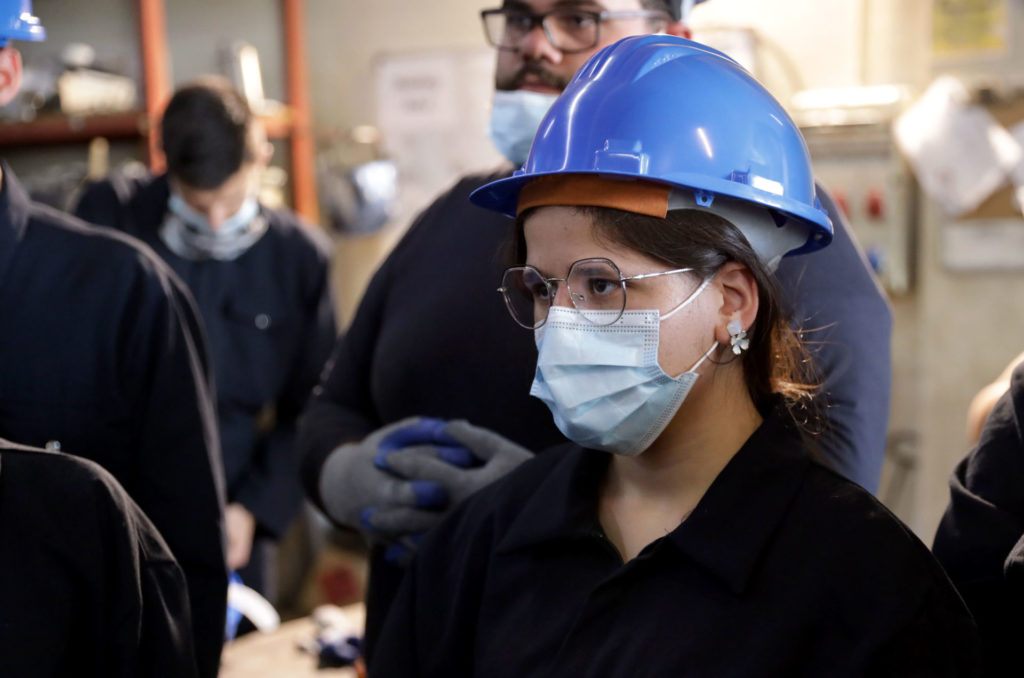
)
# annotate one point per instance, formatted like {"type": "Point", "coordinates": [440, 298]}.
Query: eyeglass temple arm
{"type": "Point", "coordinates": [641, 276]}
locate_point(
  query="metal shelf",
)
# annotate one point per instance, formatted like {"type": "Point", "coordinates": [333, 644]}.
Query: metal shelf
{"type": "Point", "coordinates": [60, 129]}
{"type": "Point", "coordinates": [292, 123]}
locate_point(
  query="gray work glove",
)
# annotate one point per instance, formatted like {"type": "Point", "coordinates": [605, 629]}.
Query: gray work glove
{"type": "Point", "coordinates": [401, 480]}
{"type": "Point", "coordinates": [359, 491]}
{"type": "Point", "coordinates": [492, 456]}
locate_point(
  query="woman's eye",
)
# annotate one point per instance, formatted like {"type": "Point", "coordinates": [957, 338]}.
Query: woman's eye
{"type": "Point", "coordinates": [603, 286]}
{"type": "Point", "coordinates": [540, 291]}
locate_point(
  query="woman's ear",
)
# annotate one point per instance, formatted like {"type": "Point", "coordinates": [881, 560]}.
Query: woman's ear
{"type": "Point", "coordinates": [739, 298]}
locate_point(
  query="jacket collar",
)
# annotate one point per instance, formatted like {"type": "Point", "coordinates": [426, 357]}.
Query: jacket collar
{"type": "Point", "coordinates": [738, 516]}
{"type": "Point", "coordinates": [727, 531]}
{"type": "Point", "coordinates": [564, 504]}
{"type": "Point", "coordinates": [15, 207]}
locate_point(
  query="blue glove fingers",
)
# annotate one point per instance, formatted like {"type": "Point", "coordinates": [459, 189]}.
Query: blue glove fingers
{"type": "Point", "coordinates": [380, 460]}
{"type": "Point", "coordinates": [425, 430]}
{"type": "Point", "coordinates": [429, 494]}
{"type": "Point", "coordinates": [366, 519]}
{"type": "Point", "coordinates": [460, 456]}
{"type": "Point", "coordinates": [456, 455]}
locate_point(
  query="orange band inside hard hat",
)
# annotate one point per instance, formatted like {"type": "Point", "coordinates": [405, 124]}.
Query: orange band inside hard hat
{"type": "Point", "coordinates": [641, 197]}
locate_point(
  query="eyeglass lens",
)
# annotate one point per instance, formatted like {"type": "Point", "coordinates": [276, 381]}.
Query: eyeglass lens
{"type": "Point", "coordinates": [527, 295]}
{"type": "Point", "coordinates": [567, 30]}
{"type": "Point", "coordinates": [595, 288]}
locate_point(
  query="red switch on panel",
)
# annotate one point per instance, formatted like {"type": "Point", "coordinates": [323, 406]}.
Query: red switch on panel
{"type": "Point", "coordinates": [875, 204]}
{"type": "Point", "coordinates": [839, 195]}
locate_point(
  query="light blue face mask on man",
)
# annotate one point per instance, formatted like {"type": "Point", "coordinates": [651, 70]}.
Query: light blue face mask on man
{"type": "Point", "coordinates": [188, 234]}
{"type": "Point", "coordinates": [515, 117]}
{"type": "Point", "coordinates": [603, 383]}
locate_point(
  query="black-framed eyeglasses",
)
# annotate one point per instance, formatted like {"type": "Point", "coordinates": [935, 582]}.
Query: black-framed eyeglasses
{"type": "Point", "coordinates": [596, 288]}
{"type": "Point", "coordinates": [568, 30]}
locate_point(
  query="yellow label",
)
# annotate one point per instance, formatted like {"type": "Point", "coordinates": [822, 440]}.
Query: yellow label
{"type": "Point", "coordinates": [964, 26]}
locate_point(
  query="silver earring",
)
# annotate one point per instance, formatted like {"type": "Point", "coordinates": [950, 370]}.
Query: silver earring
{"type": "Point", "coordinates": [737, 337]}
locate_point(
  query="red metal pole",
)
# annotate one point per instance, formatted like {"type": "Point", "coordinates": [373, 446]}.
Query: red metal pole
{"type": "Point", "coordinates": [302, 150]}
{"type": "Point", "coordinates": [156, 72]}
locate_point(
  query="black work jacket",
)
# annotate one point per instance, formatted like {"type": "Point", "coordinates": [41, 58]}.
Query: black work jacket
{"type": "Point", "coordinates": [269, 320]}
{"type": "Point", "coordinates": [87, 585]}
{"type": "Point", "coordinates": [980, 540]}
{"type": "Point", "coordinates": [101, 352]}
{"type": "Point", "coordinates": [782, 569]}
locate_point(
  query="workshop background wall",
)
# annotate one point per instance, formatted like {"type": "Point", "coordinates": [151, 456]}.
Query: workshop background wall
{"type": "Point", "coordinates": [954, 331]}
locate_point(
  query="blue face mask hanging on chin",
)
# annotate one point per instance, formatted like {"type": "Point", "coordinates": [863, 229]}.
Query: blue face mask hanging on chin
{"type": "Point", "coordinates": [515, 117]}
{"type": "Point", "coordinates": [188, 234]}
{"type": "Point", "coordinates": [603, 383]}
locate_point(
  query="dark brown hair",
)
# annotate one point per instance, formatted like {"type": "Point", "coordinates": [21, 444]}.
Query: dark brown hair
{"type": "Point", "coordinates": [669, 7]}
{"type": "Point", "coordinates": [205, 133]}
{"type": "Point", "coordinates": [776, 366]}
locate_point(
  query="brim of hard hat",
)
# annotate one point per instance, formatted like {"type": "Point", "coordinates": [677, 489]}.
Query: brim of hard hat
{"type": "Point", "coordinates": [25, 34]}
{"type": "Point", "coordinates": [503, 196]}
{"type": "Point", "coordinates": [24, 27]}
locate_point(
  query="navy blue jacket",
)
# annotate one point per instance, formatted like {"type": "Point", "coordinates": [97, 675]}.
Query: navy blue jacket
{"type": "Point", "coordinates": [101, 352]}
{"type": "Point", "coordinates": [269, 320]}
{"type": "Point", "coordinates": [89, 588]}
{"type": "Point", "coordinates": [432, 337]}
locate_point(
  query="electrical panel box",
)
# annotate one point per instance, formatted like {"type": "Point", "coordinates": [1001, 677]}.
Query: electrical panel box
{"type": "Point", "coordinates": [861, 168]}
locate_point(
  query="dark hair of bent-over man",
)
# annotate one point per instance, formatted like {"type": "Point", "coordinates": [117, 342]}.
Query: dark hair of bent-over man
{"type": "Point", "coordinates": [670, 7]}
{"type": "Point", "coordinates": [205, 133]}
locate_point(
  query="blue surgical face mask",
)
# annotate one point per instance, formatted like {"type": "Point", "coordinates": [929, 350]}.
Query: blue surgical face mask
{"type": "Point", "coordinates": [603, 383]}
{"type": "Point", "coordinates": [188, 233]}
{"type": "Point", "coordinates": [515, 117]}
{"type": "Point", "coordinates": [198, 221]}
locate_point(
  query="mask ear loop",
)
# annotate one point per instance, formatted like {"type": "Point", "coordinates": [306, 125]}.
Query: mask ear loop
{"type": "Point", "coordinates": [683, 304]}
{"type": "Point", "coordinates": [732, 356]}
{"type": "Point", "coordinates": [686, 302]}
{"type": "Point", "coordinates": [704, 357]}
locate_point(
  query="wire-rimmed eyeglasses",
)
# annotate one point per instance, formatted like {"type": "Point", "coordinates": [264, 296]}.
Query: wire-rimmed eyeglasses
{"type": "Point", "coordinates": [568, 30]}
{"type": "Point", "coordinates": [595, 286]}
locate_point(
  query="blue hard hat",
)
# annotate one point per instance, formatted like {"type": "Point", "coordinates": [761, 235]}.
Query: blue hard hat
{"type": "Point", "coordinates": [18, 23]}
{"type": "Point", "coordinates": [671, 111]}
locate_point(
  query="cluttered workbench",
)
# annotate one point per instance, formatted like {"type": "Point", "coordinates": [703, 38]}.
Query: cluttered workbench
{"type": "Point", "coordinates": [291, 651]}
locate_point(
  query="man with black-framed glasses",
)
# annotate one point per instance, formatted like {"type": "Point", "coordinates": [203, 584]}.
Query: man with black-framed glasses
{"type": "Point", "coordinates": [568, 29]}
{"type": "Point", "coordinates": [541, 45]}
{"type": "Point", "coordinates": [426, 397]}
